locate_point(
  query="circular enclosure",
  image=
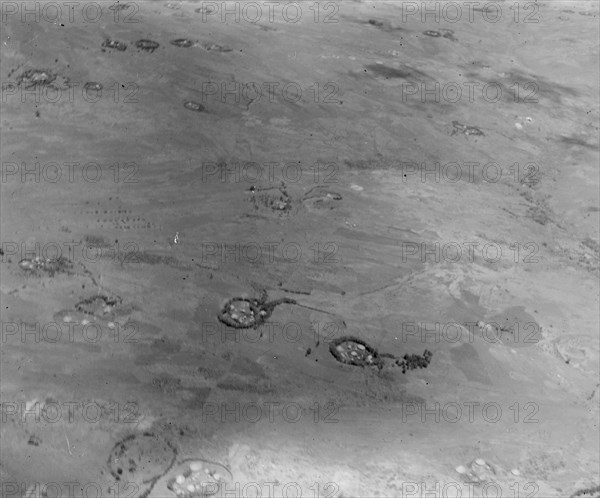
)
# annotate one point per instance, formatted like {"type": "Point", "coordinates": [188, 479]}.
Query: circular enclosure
{"type": "Point", "coordinates": [193, 106]}
{"type": "Point", "coordinates": [114, 44]}
{"type": "Point", "coordinates": [274, 200]}
{"type": "Point", "coordinates": [147, 45]}
{"type": "Point", "coordinates": [215, 47]}
{"type": "Point", "coordinates": [353, 351]}
{"type": "Point", "coordinates": [197, 478]}
{"type": "Point", "coordinates": [30, 264]}
{"type": "Point", "coordinates": [50, 266]}
{"type": "Point", "coordinates": [93, 85]}
{"type": "Point", "coordinates": [141, 458]}
{"type": "Point", "coordinates": [98, 305]}
{"type": "Point", "coordinates": [240, 313]}
{"type": "Point", "coordinates": [36, 77]}
{"type": "Point", "coordinates": [182, 42]}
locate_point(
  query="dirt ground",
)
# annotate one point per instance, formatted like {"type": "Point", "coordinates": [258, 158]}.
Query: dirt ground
{"type": "Point", "coordinates": [316, 161]}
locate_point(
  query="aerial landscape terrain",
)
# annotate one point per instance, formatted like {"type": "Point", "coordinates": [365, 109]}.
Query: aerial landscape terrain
{"type": "Point", "coordinates": [323, 249]}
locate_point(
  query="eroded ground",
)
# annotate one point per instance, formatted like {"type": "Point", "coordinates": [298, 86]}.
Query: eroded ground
{"type": "Point", "coordinates": [116, 370]}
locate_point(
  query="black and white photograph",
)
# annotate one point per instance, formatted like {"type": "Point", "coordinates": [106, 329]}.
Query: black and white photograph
{"type": "Point", "coordinates": [300, 249]}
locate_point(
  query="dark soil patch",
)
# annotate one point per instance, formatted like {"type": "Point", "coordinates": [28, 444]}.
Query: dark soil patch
{"type": "Point", "coordinates": [577, 141]}
{"type": "Point", "coordinates": [245, 384]}
{"type": "Point", "coordinates": [151, 259]}
{"type": "Point", "coordinates": [119, 6]}
{"type": "Point", "coordinates": [524, 88]}
{"type": "Point", "coordinates": [365, 164]}
{"type": "Point", "coordinates": [593, 492]}
{"type": "Point", "coordinates": [383, 26]}
{"type": "Point", "coordinates": [388, 72]}
{"type": "Point", "coordinates": [164, 345]}
{"type": "Point", "coordinates": [539, 215]}
{"type": "Point", "coordinates": [96, 241]}
{"type": "Point", "coordinates": [591, 244]}
{"type": "Point", "coordinates": [166, 383]}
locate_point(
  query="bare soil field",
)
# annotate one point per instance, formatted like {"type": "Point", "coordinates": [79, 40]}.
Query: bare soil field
{"type": "Point", "coordinates": [326, 249]}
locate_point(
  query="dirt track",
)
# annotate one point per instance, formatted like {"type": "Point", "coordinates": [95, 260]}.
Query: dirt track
{"type": "Point", "coordinates": [358, 213]}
